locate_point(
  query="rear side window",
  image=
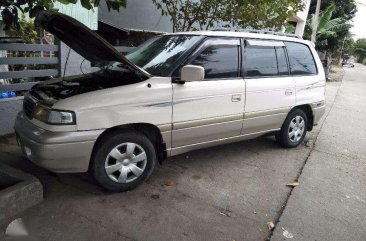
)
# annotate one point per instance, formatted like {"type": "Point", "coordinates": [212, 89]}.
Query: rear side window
{"type": "Point", "coordinates": [260, 61]}
{"type": "Point", "coordinates": [301, 59]}
{"type": "Point", "coordinates": [219, 61]}
{"type": "Point", "coordinates": [265, 61]}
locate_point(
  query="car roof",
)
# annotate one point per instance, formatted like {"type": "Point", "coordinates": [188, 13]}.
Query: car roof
{"type": "Point", "coordinates": [243, 35]}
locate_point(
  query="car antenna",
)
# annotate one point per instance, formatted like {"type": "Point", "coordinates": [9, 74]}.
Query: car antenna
{"type": "Point", "coordinates": [67, 59]}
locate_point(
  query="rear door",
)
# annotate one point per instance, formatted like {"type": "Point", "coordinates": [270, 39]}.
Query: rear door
{"type": "Point", "coordinates": [270, 87]}
{"type": "Point", "coordinates": [211, 109]}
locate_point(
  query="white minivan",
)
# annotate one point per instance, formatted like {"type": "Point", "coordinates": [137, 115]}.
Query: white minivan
{"type": "Point", "coordinates": [175, 93]}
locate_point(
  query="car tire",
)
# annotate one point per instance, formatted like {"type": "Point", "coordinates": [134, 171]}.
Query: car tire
{"type": "Point", "coordinates": [123, 160]}
{"type": "Point", "coordinates": [293, 130]}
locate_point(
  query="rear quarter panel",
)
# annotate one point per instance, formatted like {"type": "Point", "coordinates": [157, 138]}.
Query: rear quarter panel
{"type": "Point", "coordinates": [311, 89]}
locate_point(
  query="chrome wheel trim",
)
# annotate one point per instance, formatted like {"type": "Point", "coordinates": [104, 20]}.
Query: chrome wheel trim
{"type": "Point", "coordinates": [125, 162]}
{"type": "Point", "coordinates": [296, 129]}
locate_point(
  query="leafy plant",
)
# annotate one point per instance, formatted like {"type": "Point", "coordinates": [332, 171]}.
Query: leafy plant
{"type": "Point", "coordinates": [26, 30]}
{"type": "Point", "coordinates": [345, 9]}
{"type": "Point", "coordinates": [10, 9]}
{"type": "Point", "coordinates": [205, 14]}
{"type": "Point", "coordinates": [328, 27]}
{"type": "Point", "coordinates": [359, 49]}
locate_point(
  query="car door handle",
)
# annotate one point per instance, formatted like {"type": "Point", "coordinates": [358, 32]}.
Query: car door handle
{"type": "Point", "coordinates": [235, 98]}
{"type": "Point", "coordinates": [288, 92]}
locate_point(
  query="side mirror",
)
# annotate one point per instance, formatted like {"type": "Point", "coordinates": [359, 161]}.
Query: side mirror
{"type": "Point", "coordinates": [191, 73]}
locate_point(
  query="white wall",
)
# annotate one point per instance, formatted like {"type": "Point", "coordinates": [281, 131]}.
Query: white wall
{"type": "Point", "coordinates": [139, 14]}
{"type": "Point", "coordinates": [301, 18]}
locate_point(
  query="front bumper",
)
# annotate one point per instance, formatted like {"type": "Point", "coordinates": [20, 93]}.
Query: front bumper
{"type": "Point", "coordinates": [55, 151]}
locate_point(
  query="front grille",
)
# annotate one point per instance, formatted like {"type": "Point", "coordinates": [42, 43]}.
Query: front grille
{"type": "Point", "coordinates": [29, 105]}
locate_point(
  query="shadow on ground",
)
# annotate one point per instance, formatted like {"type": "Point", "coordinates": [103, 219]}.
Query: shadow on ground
{"type": "Point", "coordinates": [223, 193]}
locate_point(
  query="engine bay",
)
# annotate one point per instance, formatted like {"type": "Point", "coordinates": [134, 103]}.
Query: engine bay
{"type": "Point", "coordinates": [50, 91]}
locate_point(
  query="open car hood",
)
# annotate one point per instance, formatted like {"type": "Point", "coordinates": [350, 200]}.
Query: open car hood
{"type": "Point", "coordinates": [83, 40]}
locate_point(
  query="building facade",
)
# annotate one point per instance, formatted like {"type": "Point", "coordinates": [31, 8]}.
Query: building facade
{"type": "Point", "coordinates": [300, 19]}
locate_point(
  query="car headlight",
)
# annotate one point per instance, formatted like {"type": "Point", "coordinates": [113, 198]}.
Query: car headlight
{"type": "Point", "coordinates": [54, 117]}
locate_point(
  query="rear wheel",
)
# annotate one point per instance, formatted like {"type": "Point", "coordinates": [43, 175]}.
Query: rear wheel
{"type": "Point", "coordinates": [123, 161]}
{"type": "Point", "coordinates": [293, 130]}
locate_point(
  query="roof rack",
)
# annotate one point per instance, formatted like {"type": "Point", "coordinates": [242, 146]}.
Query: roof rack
{"type": "Point", "coordinates": [247, 30]}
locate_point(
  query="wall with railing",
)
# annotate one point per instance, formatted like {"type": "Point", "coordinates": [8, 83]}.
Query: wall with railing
{"type": "Point", "coordinates": [22, 66]}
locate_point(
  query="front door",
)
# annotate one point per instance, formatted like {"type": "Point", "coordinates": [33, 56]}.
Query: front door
{"type": "Point", "coordinates": [270, 87]}
{"type": "Point", "coordinates": [210, 109]}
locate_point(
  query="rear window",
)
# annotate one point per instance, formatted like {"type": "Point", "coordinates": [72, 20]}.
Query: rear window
{"type": "Point", "coordinates": [301, 59]}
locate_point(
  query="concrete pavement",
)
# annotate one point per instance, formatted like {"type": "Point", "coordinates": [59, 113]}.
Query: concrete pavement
{"type": "Point", "coordinates": [330, 202]}
{"type": "Point", "coordinates": [228, 192]}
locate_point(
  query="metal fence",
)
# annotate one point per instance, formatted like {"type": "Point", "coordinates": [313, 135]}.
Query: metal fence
{"type": "Point", "coordinates": [32, 55]}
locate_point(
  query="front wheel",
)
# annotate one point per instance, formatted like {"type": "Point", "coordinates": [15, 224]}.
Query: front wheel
{"type": "Point", "coordinates": [123, 160]}
{"type": "Point", "coordinates": [293, 130]}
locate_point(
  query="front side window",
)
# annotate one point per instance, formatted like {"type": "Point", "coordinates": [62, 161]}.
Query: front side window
{"type": "Point", "coordinates": [301, 60]}
{"type": "Point", "coordinates": [219, 61]}
{"type": "Point", "coordinates": [260, 61]}
{"type": "Point", "coordinates": [158, 55]}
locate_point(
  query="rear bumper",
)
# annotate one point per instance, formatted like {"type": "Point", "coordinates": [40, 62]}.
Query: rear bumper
{"type": "Point", "coordinates": [318, 111]}
{"type": "Point", "coordinates": [55, 151]}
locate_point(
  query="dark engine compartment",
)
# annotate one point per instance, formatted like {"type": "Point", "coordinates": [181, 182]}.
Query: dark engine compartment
{"type": "Point", "coordinates": [53, 90]}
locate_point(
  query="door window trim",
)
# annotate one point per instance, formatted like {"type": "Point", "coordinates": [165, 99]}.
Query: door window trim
{"type": "Point", "coordinates": [287, 61]}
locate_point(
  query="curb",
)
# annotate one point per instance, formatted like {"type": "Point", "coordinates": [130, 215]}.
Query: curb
{"type": "Point", "coordinates": [18, 192]}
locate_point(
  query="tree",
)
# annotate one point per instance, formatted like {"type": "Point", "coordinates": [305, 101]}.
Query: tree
{"type": "Point", "coordinates": [10, 9]}
{"type": "Point", "coordinates": [328, 27]}
{"type": "Point", "coordinates": [205, 14]}
{"type": "Point", "coordinates": [315, 21]}
{"type": "Point", "coordinates": [349, 43]}
{"type": "Point", "coordinates": [345, 9]}
{"type": "Point", "coordinates": [26, 30]}
{"type": "Point", "coordinates": [359, 49]}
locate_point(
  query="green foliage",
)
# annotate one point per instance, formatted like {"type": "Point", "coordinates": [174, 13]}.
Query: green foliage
{"type": "Point", "coordinates": [205, 14]}
{"type": "Point", "coordinates": [26, 30]}
{"type": "Point", "coordinates": [344, 9]}
{"type": "Point", "coordinates": [359, 49]}
{"type": "Point", "coordinates": [10, 9]}
{"type": "Point", "coordinates": [348, 45]}
{"type": "Point", "coordinates": [29, 34]}
{"type": "Point", "coordinates": [261, 14]}
{"type": "Point", "coordinates": [328, 27]}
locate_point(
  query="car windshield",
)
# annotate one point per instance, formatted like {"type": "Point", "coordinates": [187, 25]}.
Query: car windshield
{"type": "Point", "coordinates": [157, 55]}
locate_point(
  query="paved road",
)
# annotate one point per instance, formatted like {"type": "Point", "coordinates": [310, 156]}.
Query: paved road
{"type": "Point", "coordinates": [330, 203]}
{"type": "Point", "coordinates": [222, 193]}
